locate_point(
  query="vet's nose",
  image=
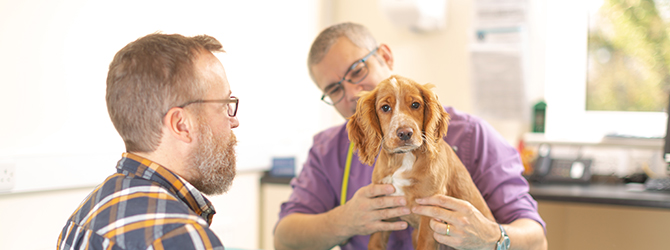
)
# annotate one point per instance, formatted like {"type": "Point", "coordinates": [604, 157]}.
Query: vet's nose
{"type": "Point", "coordinates": [405, 133]}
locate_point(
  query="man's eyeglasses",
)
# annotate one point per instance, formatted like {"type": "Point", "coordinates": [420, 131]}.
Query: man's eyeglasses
{"type": "Point", "coordinates": [232, 104]}
{"type": "Point", "coordinates": [334, 93]}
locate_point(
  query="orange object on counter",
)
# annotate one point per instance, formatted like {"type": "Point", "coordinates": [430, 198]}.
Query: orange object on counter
{"type": "Point", "coordinates": [528, 156]}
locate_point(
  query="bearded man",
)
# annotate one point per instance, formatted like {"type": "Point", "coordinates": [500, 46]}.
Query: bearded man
{"type": "Point", "coordinates": [169, 99]}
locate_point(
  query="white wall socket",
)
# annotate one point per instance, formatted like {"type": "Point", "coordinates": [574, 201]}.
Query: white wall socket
{"type": "Point", "coordinates": [7, 176]}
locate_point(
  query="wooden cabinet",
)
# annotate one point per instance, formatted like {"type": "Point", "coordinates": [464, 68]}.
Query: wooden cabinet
{"type": "Point", "coordinates": [274, 191]}
{"type": "Point", "coordinates": [611, 217]}
{"type": "Point", "coordinates": [576, 226]}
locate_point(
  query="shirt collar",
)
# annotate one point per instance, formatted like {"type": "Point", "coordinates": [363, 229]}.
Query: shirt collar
{"type": "Point", "coordinates": [138, 167]}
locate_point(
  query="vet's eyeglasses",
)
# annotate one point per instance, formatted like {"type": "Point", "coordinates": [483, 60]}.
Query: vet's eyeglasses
{"type": "Point", "coordinates": [334, 93]}
{"type": "Point", "coordinates": [232, 103]}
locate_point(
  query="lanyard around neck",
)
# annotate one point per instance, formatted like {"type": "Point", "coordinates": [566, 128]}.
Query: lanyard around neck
{"type": "Point", "coordinates": [345, 178]}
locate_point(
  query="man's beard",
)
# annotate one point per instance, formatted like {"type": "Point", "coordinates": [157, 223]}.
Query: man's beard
{"type": "Point", "coordinates": [213, 162]}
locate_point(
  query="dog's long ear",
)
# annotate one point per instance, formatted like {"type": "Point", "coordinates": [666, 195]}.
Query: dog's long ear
{"type": "Point", "coordinates": [364, 129]}
{"type": "Point", "coordinates": [435, 119]}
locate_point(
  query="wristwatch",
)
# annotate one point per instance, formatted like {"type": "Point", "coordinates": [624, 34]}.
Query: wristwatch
{"type": "Point", "coordinates": [503, 243]}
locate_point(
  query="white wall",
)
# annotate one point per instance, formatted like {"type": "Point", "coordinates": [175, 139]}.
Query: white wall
{"type": "Point", "coordinates": [55, 56]}
{"type": "Point", "coordinates": [54, 62]}
{"type": "Point", "coordinates": [55, 129]}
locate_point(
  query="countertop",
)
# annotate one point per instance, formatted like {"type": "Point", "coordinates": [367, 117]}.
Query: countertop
{"type": "Point", "coordinates": [608, 194]}
{"type": "Point", "coordinates": [632, 194]}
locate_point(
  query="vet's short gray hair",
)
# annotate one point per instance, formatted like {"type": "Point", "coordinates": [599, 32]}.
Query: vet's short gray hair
{"type": "Point", "coordinates": [358, 34]}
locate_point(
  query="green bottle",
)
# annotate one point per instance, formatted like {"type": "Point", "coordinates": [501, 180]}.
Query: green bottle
{"type": "Point", "coordinates": [539, 114]}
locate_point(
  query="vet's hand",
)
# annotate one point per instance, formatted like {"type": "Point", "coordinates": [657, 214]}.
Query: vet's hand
{"type": "Point", "coordinates": [363, 214]}
{"type": "Point", "coordinates": [468, 228]}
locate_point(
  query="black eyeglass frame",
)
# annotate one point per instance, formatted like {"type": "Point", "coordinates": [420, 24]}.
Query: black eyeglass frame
{"type": "Point", "coordinates": [230, 100]}
{"type": "Point", "coordinates": [339, 84]}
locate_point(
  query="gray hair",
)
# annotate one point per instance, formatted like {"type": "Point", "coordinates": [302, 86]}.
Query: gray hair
{"type": "Point", "coordinates": [358, 34]}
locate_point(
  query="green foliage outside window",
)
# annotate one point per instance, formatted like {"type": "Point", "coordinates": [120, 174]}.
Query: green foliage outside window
{"type": "Point", "coordinates": [629, 56]}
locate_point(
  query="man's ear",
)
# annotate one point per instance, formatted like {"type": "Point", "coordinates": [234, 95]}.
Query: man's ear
{"type": "Point", "coordinates": [386, 55]}
{"type": "Point", "coordinates": [179, 124]}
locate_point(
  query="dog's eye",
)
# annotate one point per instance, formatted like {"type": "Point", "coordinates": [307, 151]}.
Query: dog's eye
{"type": "Point", "coordinates": [386, 108]}
{"type": "Point", "coordinates": [416, 105]}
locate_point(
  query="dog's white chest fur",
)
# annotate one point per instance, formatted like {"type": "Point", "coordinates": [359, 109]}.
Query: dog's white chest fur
{"type": "Point", "coordinates": [397, 179]}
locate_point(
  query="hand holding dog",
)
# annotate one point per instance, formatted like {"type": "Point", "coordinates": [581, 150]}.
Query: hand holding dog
{"type": "Point", "coordinates": [363, 214]}
{"type": "Point", "coordinates": [468, 228]}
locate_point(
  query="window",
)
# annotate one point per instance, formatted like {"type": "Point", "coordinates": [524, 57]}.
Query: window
{"type": "Point", "coordinates": [566, 53]}
{"type": "Point", "coordinates": [628, 55]}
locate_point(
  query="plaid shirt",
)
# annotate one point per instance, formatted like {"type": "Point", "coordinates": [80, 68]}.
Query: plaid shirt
{"type": "Point", "coordinates": [143, 206]}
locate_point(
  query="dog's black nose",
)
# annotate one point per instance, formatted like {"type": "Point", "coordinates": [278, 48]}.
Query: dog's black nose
{"type": "Point", "coordinates": [405, 133]}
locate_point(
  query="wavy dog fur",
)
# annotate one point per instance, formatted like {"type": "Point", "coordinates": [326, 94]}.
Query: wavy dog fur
{"type": "Point", "coordinates": [403, 123]}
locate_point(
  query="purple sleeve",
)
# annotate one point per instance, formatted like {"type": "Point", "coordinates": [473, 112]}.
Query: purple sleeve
{"type": "Point", "coordinates": [313, 192]}
{"type": "Point", "coordinates": [496, 169]}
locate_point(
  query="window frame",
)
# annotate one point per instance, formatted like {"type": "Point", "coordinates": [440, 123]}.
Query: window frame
{"type": "Point", "coordinates": [565, 67]}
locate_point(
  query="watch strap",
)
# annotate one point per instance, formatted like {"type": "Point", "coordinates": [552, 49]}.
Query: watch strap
{"type": "Point", "coordinates": [504, 242]}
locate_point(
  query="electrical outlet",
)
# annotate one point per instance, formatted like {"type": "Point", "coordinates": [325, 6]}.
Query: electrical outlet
{"type": "Point", "coordinates": [7, 176]}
